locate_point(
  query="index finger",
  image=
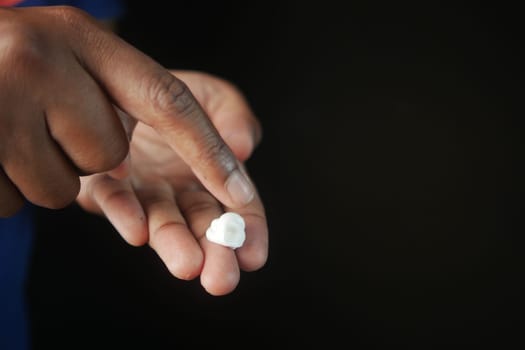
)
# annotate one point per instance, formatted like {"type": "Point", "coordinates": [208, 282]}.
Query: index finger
{"type": "Point", "coordinates": [150, 93]}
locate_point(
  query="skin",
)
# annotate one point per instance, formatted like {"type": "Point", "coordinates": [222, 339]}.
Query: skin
{"type": "Point", "coordinates": [189, 132]}
{"type": "Point", "coordinates": [162, 203]}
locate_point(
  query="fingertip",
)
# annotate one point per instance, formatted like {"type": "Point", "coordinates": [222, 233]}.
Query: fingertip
{"type": "Point", "coordinates": [221, 274]}
{"type": "Point", "coordinates": [186, 264]}
{"type": "Point", "coordinates": [131, 225]}
{"type": "Point", "coordinates": [220, 284]}
{"type": "Point", "coordinates": [258, 257]}
{"type": "Point", "coordinates": [58, 198]}
{"type": "Point", "coordinates": [178, 250]}
{"type": "Point", "coordinates": [241, 144]}
{"type": "Point", "coordinates": [253, 255]}
{"type": "Point", "coordinates": [137, 236]}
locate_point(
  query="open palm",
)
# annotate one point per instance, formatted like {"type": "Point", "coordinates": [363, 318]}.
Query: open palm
{"type": "Point", "coordinates": [162, 203]}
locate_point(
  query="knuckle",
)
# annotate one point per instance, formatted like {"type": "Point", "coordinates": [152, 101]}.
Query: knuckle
{"type": "Point", "coordinates": [84, 28]}
{"type": "Point", "coordinates": [202, 206]}
{"type": "Point", "coordinates": [70, 15]}
{"type": "Point", "coordinates": [196, 204]}
{"type": "Point", "coordinates": [170, 95]}
{"type": "Point", "coordinates": [22, 49]}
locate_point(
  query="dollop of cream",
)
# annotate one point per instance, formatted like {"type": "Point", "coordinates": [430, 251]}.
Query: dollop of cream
{"type": "Point", "coordinates": [227, 230]}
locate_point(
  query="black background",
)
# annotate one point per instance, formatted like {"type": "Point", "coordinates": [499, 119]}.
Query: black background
{"type": "Point", "coordinates": [387, 170]}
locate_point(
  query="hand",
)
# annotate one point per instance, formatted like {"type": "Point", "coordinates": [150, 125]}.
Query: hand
{"type": "Point", "coordinates": [61, 74]}
{"type": "Point", "coordinates": [162, 202]}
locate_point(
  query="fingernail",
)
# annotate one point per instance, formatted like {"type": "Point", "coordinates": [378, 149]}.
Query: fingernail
{"type": "Point", "coordinates": [239, 187]}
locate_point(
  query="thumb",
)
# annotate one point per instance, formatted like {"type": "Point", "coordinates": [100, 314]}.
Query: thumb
{"type": "Point", "coordinates": [149, 93]}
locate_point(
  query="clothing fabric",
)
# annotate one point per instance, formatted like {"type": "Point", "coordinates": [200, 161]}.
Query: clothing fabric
{"type": "Point", "coordinates": [16, 236]}
{"type": "Point", "coordinates": [102, 9]}
{"type": "Point", "coordinates": [9, 2]}
{"type": "Point", "coordinates": [16, 233]}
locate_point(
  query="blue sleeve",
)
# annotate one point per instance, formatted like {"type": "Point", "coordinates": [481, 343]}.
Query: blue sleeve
{"type": "Point", "coordinates": [101, 9]}
{"type": "Point", "coordinates": [16, 242]}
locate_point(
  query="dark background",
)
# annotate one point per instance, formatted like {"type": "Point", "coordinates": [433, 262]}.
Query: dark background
{"type": "Point", "coordinates": [387, 169]}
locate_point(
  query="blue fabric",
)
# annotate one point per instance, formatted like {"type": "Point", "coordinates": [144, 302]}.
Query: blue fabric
{"type": "Point", "coordinates": [16, 233]}
{"type": "Point", "coordinates": [102, 9]}
{"type": "Point", "coordinates": [15, 250]}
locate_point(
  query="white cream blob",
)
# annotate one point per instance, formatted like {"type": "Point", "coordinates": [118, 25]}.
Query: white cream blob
{"type": "Point", "coordinates": [227, 230]}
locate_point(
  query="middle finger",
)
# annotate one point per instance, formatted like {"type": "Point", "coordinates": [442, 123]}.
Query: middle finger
{"type": "Point", "coordinates": [169, 235]}
{"type": "Point", "coordinates": [220, 273]}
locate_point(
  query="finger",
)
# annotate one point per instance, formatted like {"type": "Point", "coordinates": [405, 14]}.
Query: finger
{"type": "Point", "coordinates": [252, 255]}
{"type": "Point", "coordinates": [38, 168]}
{"type": "Point", "coordinates": [228, 109]}
{"type": "Point", "coordinates": [10, 199]}
{"type": "Point", "coordinates": [123, 170]}
{"type": "Point", "coordinates": [85, 124]}
{"type": "Point", "coordinates": [169, 235]}
{"type": "Point", "coordinates": [220, 273]}
{"type": "Point", "coordinates": [239, 130]}
{"type": "Point", "coordinates": [150, 93]}
{"type": "Point", "coordinates": [118, 202]}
